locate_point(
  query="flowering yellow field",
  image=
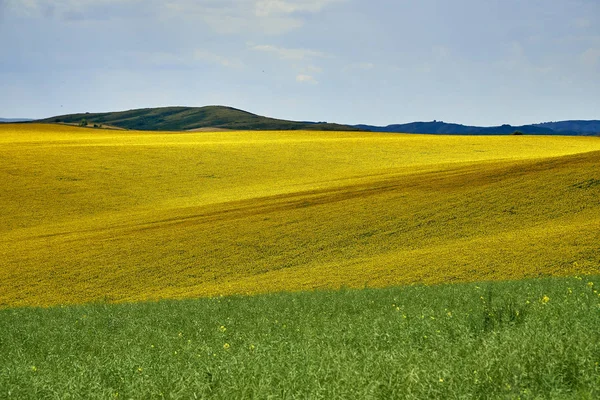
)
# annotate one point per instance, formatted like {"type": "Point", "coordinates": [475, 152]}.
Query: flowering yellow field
{"type": "Point", "coordinates": [94, 215]}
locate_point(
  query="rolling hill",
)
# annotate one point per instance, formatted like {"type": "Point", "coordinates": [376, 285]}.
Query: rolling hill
{"type": "Point", "coordinates": [192, 118]}
{"type": "Point", "coordinates": [11, 120]}
{"type": "Point", "coordinates": [591, 127]}
{"type": "Point", "coordinates": [228, 118]}
{"type": "Point", "coordinates": [99, 215]}
{"type": "Point", "coordinates": [564, 128]}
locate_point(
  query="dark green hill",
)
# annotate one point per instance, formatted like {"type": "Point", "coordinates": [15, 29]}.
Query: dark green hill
{"type": "Point", "coordinates": [590, 127]}
{"type": "Point", "coordinates": [187, 118]}
{"type": "Point", "coordinates": [443, 128]}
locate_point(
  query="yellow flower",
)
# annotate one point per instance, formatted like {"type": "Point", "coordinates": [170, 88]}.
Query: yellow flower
{"type": "Point", "coordinates": [441, 379]}
{"type": "Point", "coordinates": [252, 347]}
{"type": "Point", "coordinates": [222, 328]}
{"type": "Point", "coordinates": [226, 346]}
{"type": "Point", "coordinates": [545, 299]}
{"type": "Point", "coordinates": [33, 368]}
{"type": "Point", "coordinates": [590, 284]}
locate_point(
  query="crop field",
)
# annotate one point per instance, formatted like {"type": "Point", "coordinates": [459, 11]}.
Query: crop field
{"type": "Point", "coordinates": [124, 216]}
{"type": "Point", "coordinates": [531, 339]}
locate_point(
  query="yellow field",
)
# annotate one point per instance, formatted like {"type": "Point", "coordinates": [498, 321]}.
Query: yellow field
{"type": "Point", "coordinates": [93, 215]}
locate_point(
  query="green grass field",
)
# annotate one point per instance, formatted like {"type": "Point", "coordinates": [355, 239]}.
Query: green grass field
{"type": "Point", "coordinates": [533, 339]}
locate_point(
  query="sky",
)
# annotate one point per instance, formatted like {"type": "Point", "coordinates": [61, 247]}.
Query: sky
{"type": "Point", "coordinates": [476, 62]}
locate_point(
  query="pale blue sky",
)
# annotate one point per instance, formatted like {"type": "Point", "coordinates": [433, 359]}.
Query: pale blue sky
{"type": "Point", "coordinates": [480, 62]}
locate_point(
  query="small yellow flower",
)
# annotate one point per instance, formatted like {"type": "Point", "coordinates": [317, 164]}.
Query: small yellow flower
{"type": "Point", "coordinates": [449, 313]}
{"type": "Point", "coordinates": [397, 308]}
{"type": "Point", "coordinates": [33, 368]}
{"type": "Point", "coordinates": [180, 334]}
{"type": "Point", "coordinates": [545, 299]}
{"type": "Point", "coordinates": [252, 347]}
{"type": "Point", "coordinates": [590, 284]}
{"type": "Point", "coordinates": [441, 379]}
{"type": "Point", "coordinates": [222, 328]}
{"type": "Point", "coordinates": [139, 369]}
{"type": "Point", "coordinates": [226, 346]}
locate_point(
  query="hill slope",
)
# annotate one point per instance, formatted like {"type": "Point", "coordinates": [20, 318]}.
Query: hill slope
{"type": "Point", "coordinates": [11, 120]}
{"type": "Point", "coordinates": [189, 118]}
{"type": "Point", "coordinates": [221, 117]}
{"type": "Point", "coordinates": [592, 127]}
{"type": "Point", "coordinates": [565, 128]}
{"type": "Point", "coordinates": [89, 215]}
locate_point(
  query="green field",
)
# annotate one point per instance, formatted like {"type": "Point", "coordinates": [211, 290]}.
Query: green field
{"type": "Point", "coordinates": [534, 339]}
{"type": "Point", "coordinates": [90, 215]}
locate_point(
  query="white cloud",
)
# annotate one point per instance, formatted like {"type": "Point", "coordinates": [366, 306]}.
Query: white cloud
{"type": "Point", "coordinates": [289, 54]}
{"type": "Point", "coordinates": [213, 58]}
{"type": "Point", "coordinates": [185, 59]}
{"type": "Point", "coordinates": [365, 66]}
{"type": "Point", "coordinates": [582, 23]}
{"type": "Point", "coordinates": [265, 8]}
{"type": "Point", "coordinates": [591, 57]}
{"type": "Point", "coordinates": [270, 17]}
{"type": "Point", "coordinates": [313, 69]}
{"type": "Point", "coordinates": [69, 9]}
{"type": "Point", "coordinates": [302, 78]}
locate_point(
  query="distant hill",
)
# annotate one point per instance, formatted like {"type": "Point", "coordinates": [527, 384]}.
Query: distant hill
{"type": "Point", "coordinates": [190, 118]}
{"type": "Point", "coordinates": [7, 120]}
{"type": "Point", "coordinates": [222, 117]}
{"type": "Point", "coordinates": [572, 128]}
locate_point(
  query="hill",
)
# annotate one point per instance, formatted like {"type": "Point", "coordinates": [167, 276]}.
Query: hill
{"type": "Point", "coordinates": [592, 127]}
{"type": "Point", "coordinates": [228, 118]}
{"type": "Point", "coordinates": [130, 216]}
{"type": "Point", "coordinates": [12, 120]}
{"type": "Point", "coordinates": [564, 128]}
{"type": "Point", "coordinates": [193, 118]}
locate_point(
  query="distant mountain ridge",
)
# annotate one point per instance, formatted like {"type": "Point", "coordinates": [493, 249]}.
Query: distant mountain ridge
{"type": "Point", "coordinates": [9, 120]}
{"type": "Point", "coordinates": [570, 128]}
{"type": "Point", "coordinates": [223, 117]}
